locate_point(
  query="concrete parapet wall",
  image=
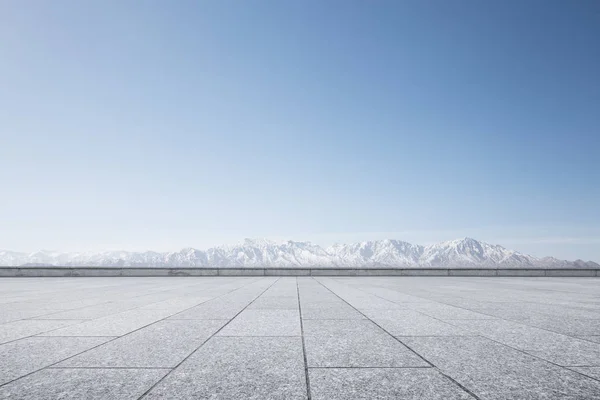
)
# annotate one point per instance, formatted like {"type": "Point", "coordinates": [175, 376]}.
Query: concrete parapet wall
{"type": "Point", "coordinates": [137, 271]}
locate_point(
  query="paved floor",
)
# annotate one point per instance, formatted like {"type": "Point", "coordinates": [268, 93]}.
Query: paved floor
{"type": "Point", "coordinates": [299, 338]}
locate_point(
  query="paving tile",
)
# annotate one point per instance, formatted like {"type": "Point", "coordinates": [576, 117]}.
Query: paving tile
{"type": "Point", "coordinates": [494, 371]}
{"type": "Point", "coordinates": [163, 344]}
{"type": "Point", "coordinates": [595, 339]}
{"type": "Point", "coordinates": [214, 309]}
{"type": "Point", "coordinates": [275, 303]}
{"type": "Point", "coordinates": [337, 310]}
{"type": "Point", "coordinates": [592, 372]}
{"type": "Point", "coordinates": [347, 343]}
{"type": "Point", "coordinates": [445, 312]}
{"type": "Point", "coordinates": [241, 368]}
{"type": "Point", "coordinates": [176, 304]}
{"type": "Point", "coordinates": [15, 315]}
{"type": "Point", "coordinates": [412, 323]}
{"type": "Point", "coordinates": [77, 384]}
{"type": "Point", "coordinates": [26, 327]}
{"type": "Point", "coordinates": [565, 324]}
{"type": "Point", "coordinates": [554, 347]}
{"type": "Point", "coordinates": [382, 384]}
{"type": "Point", "coordinates": [264, 323]}
{"type": "Point", "coordinates": [113, 325]}
{"type": "Point", "coordinates": [24, 356]}
{"type": "Point", "coordinates": [90, 312]}
{"type": "Point", "coordinates": [373, 303]}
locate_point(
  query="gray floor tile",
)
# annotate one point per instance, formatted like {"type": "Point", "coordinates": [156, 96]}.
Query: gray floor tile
{"type": "Point", "coordinates": [176, 304]}
{"type": "Point", "coordinates": [161, 345]}
{"type": "Point", "coordinates": [113, 325]}
{"type": "Point", "coordinates": [567, 325]}
{"type": "Point", "coordinates": [15, 315]}
{"type": "Point", "coordinates": [554, 347]}
{"type": "Point", "coordinates": [445, 312]}
{"type": "Point", "coordinates": [213, 309]}
{"type": "Point", "coordinates": [383, 384]}
{"type": "Point", "coordinates": [275, 303]}
{"type": "Point", "coordinates": [378, 350]}
{"type": "Point", "coordinates": [28, 355]}
{"type": "Point", "coordinates": [494, 371]}
{"type": "Point", "coordinates": [264, 323]}
{"type": "Point", "coordinates": [337, 310]}
{"type": "Point", "coordinates": [595, 339]}
{"type": "Point", "coordinates": [78, 384]}
{"type": "Point", "coordinates": [239, 369]}
{"type": "Point", "coordinates": [592, 372]}
{"type": "Point", "coordinates": [347, 343]}
{"type": "Point", "coordinates": [90, 312]}
{"type": "Point", "coordinates": [24, 328]}
{"type": "Point", "coordinates": [412, 323]}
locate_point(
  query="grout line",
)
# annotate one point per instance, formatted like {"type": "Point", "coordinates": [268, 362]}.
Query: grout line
{"type": "Point", "coordinates": [404, 344]}
{"type": "Point", "coordinates": [429, 367]}
{"type": "Point", "coordinates": [308, 390]}
{"type": "Point", "coordinates": [108, 341]}
{"type": "Point", "coordinates": [109, 367]}
{"type": "Point", "coordinates": [259, 336]}
{"type": "Point", "coordinates": [203, 343]}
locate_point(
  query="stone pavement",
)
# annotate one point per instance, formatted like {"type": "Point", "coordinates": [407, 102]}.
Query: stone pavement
{"type": "Point", "coordinates": [300, 338]}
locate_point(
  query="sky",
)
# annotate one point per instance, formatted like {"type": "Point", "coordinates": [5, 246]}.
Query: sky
{"type": "Point", "coordinates": [162, 125]}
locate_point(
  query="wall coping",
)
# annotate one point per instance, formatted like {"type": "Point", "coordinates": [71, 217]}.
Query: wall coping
{"type": "Point", "coordinates": [48, 271]}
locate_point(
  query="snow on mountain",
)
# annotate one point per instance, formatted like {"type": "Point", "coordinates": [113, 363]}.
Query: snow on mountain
{"type": "Point", "coordinates": [376, 254]}
{"type": "Point", "coordinates": [461, 253]}
{"type": "Point", "coordinates": [469, 252]}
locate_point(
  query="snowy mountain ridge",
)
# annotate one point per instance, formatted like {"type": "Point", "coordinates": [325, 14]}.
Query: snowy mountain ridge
{"type": "Point", "coordinates": [460, 253]}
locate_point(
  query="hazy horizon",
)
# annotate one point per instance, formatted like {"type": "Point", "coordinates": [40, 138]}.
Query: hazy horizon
{"type": "Point", "coordinates": [164, 125]}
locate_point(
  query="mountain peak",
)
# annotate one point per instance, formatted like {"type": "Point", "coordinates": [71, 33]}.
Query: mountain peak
{"type": "Point", "coordinates": [261, 252]}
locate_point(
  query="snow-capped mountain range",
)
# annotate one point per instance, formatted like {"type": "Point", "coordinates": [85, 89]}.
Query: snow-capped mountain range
{"type": "Point", "coordinates": [461, 253]}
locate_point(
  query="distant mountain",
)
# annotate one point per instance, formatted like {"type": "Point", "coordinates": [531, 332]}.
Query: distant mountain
{"type": "Point", "coordinates": [461, 253]}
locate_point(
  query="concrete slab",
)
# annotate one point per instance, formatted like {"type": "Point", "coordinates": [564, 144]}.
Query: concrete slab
{"type": "Point", "coordinates": [213, 309]}
{"type": "Point", "coordinates": [446, 312]}
{"type": "Point", "coordinates": [334, 310]}
{"type": "Point", "coordinates": [383, 384]}
{"type": "Point", "coordinates": [77, 384]}
{"type": "Point", "coordinates": [161, 345]}
{"type": "Point", "coordinates": [283, 302]}
{"type": "Point", "coordinates": [592, 372]}
{"type": "Point", "coordinates": [565, 324]}
{"type": "Point", "coordinates": [90, 312]}
{"type": "Point", "coordinates": [177, 304]}
{"type": "Point", "coordinates": [595, 339]}
{"type": "Point", "coordinates": [413, 323]}
{"type": "Point", "coordinates": [113, 325]}
{"type": "Point", "coordinates": [264, 323]}
{"type": "Point", "coordinates": [24, 328]}
{"type": "Point", "coordinates": [349, 343]}
{"type": "Point", "coordinates": [493, 371]}
{"type": "Point", "coordinates": [554, 347]}
{"type": "Point", "coordinates": [241, 368]}
{"type": "Point", "coordinates": [25, 356]}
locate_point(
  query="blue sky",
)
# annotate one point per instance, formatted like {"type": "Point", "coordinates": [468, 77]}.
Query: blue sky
{"type": "Point", "coordinates": [160, 125]}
